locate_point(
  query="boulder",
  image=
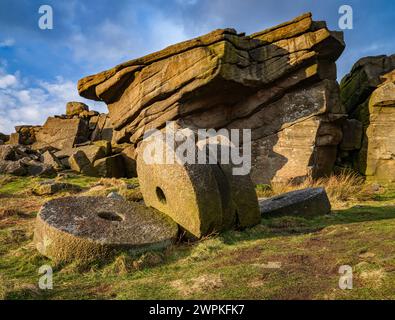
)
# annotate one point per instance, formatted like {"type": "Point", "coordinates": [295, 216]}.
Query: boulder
{"type": "Point", "coordinates": [76, 108]}
{"type": "Point", "coordinates": [49, 158]}
{"type": "Point", "coordinates": [4, 137]}
{"type": "Point", "coordinates": [37, 168]}
{"type": "Point", "coordinates": [307, 202]}
{"type": "Point", "coordinates": [103, 128]}
{"type": "Point", "coordinates": [363, 78]}
{"type": "Point", "coordinates": [24, 134]}
{"type": "Point", "coordinates": [91, 228]}
{"type": "Point", "coordinates": [79, 162]}
{"type": "Point", "coordinates": [63, 133]}
{"type": "Point", "coordinates": [110, 167]}
{"type": "Point", "coordinates": [46, 188]}
{"type": "Point", "coordinates": [17, 168]}
{"type": "Point", "coordinates": [271, 81]}
{"type": "Point", "coordinates": [368, 91]}
{"type": "Point", "coordinates": [7, 152]}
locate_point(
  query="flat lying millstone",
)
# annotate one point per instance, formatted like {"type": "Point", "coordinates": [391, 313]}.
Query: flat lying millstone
{"type": "Point", "coordinates": [306, 202]}
{"type": "Point", "coordinates": [90, 228]}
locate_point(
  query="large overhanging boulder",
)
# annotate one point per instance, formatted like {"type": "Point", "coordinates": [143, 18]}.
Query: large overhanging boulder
{"type": "Point", "coordinates": [274, 82]}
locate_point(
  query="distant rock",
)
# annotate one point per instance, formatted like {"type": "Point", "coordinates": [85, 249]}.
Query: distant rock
{"type": "Point", "coordinates": [76, 108]}
{"type": "Point", "coordinates": [63, 133]}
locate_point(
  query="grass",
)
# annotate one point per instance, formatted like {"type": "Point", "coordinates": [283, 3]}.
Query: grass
{"type": "Point", "coordinates": [281, 258]}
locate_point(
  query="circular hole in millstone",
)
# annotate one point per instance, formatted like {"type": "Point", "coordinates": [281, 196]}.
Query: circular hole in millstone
{"type": "Point", "coordinates": [111, 216]}
{"type": "Point", "coordinates": [161, 195]}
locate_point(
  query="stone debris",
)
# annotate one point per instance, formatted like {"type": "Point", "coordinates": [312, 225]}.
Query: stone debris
{"type": "Point", "coordinates": [307, 202]}
{"type": "Point", "coordinates": [90, 228]}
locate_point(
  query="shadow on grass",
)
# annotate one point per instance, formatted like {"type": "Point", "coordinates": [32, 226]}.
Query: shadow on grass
{"type": "Point", "coordinates": [293, 225]}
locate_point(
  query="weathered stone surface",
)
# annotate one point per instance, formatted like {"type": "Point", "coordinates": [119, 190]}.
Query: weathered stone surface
{"type": "Point", "coordinates": [363, 78]}
{"type": "Point", "coordinates": [352, 135]}
{"type": "Point", "coordinates": [25, 135]}
{"type": "Point", "coordinates": [103, 129]}
{"type": "Point", "coordinates": [50, 159]}
{"type": "Point", "coordinates": [306, 202]}
{"type": "Point", "coordinates": [13, 167]}
{"type": "Point", "coordinates": [4, 137]}
{"type": "Point", "coordinates": [201, 198]}
{"type": "Point", "coordinates": [50, 187]}
{"type": "Point", "coordinates": [129, 157]}
{"type": "Point", "coordinates": [369, 92]}
{"type": "Point", "coordinates": [79, 162]}
{"type": "Point", "coordinates": [75, 108]}
{"type": "Point", "coordinates": [37, 168]}
{"type": "Point", "coordinates": [7, 152]}
{"type": "Point", "coordinates": [112, 166]}
{"type": "Point", "coordinates": [268, 81]}
{"type": "Point", "coordinates": [62, 133]}
{"type": "Point", "coordinates": [90, 228]}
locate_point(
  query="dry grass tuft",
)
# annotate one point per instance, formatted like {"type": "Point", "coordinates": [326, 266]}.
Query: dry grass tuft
{"type": "Point", "coordinates": [341, 188]}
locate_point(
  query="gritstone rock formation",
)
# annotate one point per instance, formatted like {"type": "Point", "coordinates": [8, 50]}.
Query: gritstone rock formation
{"type": "Point", "coordinates": [281, 83]}
{"type": "Point", "coordinates": [368, 93]}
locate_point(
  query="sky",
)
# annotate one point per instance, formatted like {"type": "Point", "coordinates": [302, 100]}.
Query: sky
{"type": "Point", "coordinates": [39, 69]}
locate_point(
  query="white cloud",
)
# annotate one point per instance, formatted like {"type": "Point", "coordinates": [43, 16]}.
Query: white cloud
{"type": "Point", "coordinates": [7, 80]}
{"type": "Point", "coordinates": [9, 42]}
{"type": "Point", "coordinates": [23, 102]}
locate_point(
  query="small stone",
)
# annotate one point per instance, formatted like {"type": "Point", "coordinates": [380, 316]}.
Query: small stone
{"type": "Point", "coordinates": [115, 196]}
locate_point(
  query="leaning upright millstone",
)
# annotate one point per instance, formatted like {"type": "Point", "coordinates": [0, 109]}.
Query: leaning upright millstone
{"type": "Point", "coordinates": [201, 197]}
{"type": "Point", "coordinates": [91, 228]}
{"type": "Point", "coordinates": [280, 83]}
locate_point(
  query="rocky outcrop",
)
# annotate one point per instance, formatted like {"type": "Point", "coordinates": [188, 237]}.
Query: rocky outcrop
{"type": "Point", "coordinates": [21, 160]}
{"type": "Point", "coordinates": [62, 133]}
{"type": "Point", "coordinates": [368, 92]}
{"type": "Point", "coordinates": [280, 82]}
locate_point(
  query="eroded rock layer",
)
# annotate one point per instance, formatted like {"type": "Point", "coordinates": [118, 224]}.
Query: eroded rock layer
{"type": "Point", "coordinates": [368, 92]}
{"type": "Point", "coordinates": [280, 82]}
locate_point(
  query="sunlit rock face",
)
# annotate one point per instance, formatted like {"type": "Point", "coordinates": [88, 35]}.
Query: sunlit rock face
{"type": "Point", "coordinates": [368, 93]}
{"type": "Point", "coordinates": [280, 83]}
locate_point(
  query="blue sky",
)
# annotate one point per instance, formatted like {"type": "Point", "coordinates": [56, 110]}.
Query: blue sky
{"type": "Point", "coordinates": [39, 69]}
